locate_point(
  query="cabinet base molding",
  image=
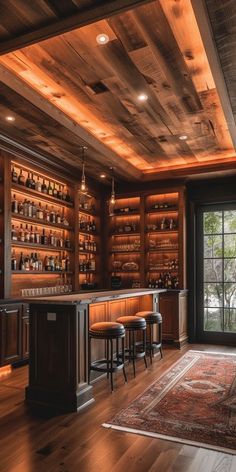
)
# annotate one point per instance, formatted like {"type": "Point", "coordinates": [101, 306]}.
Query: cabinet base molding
{"type": "Point", "coordinates": [67, 402]}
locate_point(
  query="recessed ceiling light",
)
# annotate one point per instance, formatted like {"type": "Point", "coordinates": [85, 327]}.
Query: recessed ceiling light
{"type": "Point", "coordinates": [102, 38]}
{"type": "Point", "coordinates": [10, 118]}
{"type": "Point", "coordinates": [142, 97]}
{"type": "Point", "coordinates": [183, 137]}
{"type": "Point", "coordinates": [103, 176]}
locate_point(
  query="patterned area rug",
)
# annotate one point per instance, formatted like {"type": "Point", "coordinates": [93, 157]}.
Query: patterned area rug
{"type": "Point", "coordinates": [194, 402]}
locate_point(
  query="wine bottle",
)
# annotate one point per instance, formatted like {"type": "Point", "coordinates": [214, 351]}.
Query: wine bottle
{"type": "Point", "coordinates": [14, 205]}
{"type": "Point", "coordinates": [38, 185]}
{"type": "Point", "coordinates": [21, 262]}
{"type": "Point", "coordinates": [50, 189]}
{"type": "Point", "coordinates": [44, 187]}
{"type": "Point", "coordinates": [13, 261]}
{"type": "Point", "coordinates": [54, 190]}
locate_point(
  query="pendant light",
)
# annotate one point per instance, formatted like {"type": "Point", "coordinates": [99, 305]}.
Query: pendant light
{"type": "Point", "coordinates": [83, 181]}
{"type": "Point", "coordinates": [112, 200]}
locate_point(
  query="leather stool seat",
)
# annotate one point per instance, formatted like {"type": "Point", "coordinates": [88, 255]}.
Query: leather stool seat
{"type": "Point", "coordinates": [107, 329]}
{"type": "Point", "coordinates": [151, 317]}
{"type": "Point", "coordinates": [132, 322]}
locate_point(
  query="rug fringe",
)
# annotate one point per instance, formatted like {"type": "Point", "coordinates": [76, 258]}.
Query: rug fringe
{"type": "Point", "coordinates": [170, 438]}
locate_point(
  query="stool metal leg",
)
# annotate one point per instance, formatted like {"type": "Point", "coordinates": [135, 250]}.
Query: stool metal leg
{"type": "Point", "coordinates": [160, 339]}
{"type": "Point", "coordinates": [111, 365]}
{"type": "Point", "coordinates": [89, 359]}
{"type": "Point", "coordinates": [107, 357]}
{"type": "Point", "coordinates": [133, 352]}
{"type": "Point", "coordinates": [144, 347]}
{"type": "Point", "coordinates": [123, 357]}
{"type": "Point", "coordinates": [151, 341]}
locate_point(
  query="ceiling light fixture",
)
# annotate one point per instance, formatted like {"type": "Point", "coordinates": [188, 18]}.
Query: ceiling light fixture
{"type": "Point", "coordinates": [112, 200]}
{"type": "Point", "coordinates": [142, 97]}
{"type": "Point", "coordinates": [183, 137]}
{"type": "Point", "coordinates": [102, 176]}
{"type": "Point", "coordinates": [102, 38]}
{"type": "Point", "coordinates": [10, 118]}
{"type": "Point", "coordinates": [83, 182]}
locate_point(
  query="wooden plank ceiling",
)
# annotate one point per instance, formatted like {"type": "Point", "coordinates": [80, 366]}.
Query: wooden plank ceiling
{"type": "Point", "coordinates": [155, 49]}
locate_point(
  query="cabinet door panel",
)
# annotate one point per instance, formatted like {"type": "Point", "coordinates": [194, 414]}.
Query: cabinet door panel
{"type": "Point", "coordinates": [169, 311]}
{"type": "Point", "coordinates": [132, 305]}
{"type": "Point", "coordinates": [11, 333]}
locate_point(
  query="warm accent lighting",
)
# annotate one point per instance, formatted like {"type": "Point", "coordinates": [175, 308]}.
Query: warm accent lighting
{"type": "Point", "coordinates": [102, 38]}
{"type": "Point", "coordinates": [102, 176]}
{"type": "Point", "coordinates": [112, 200]}
{"type": "Point", "coordinates": [183, 137]}
{"type": "Point", "coordinates": [83, 181]}
{"type": "Point", "coordinates": [10, 118]}
{"type": "Point", "coordinates": [6, 370]}
{"type": "Point", "coordinates": [142, 97]}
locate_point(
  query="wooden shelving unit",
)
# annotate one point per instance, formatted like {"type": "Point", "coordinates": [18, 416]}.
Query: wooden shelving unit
{"type": "Point", "coordinates": [37, 215]}
{"type": "Point", "coordinates": [159, 231]}
{"type": "Point", "coordinates": [125, 247]}
{"type": "Point", "coordinates": [89, 273]}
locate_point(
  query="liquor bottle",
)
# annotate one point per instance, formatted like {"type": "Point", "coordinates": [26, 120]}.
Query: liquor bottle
{"type": "Point", "coordinates": [38, 185]}
{"type": "Point", "coordinates": [46, 214]}
{"type": "Point", "coordinates": [21, 262]}
{"type": "Point", "coordinates": [37, 236]}
{"type": "Point", "coordinates": [50, 189]}
{"type": "Point", "coordinates": [44, 187]}
{"type": "Point", "coordinates": [20, 208]}
{"type": "Point", "coordinates": [58, 217]}
{"type": "Point", "coordinates": [44, 238]}
{"type": "Point", "coordinates": [31, 238]}
{"type": "Point", "coordinates": [47, 264]}
{"type": "Point", "coordinates": [57, 264]}
{"type": "Point", "coordinates": [27, 262]}
{"type": "Point", "coordinates": [52, 216]}
{"type": "Point", "coordinates": [67, 243]}
{"type": "Point", "coordinates": [30, 212]}
{"type": "Point", "coordinates": [59, 193]}
{"type": "Point", "coordinates": [54, 190]}
{"type": "Point", "coordinates": [21, 178]}
{"type": "Point", "coordinates": [13, 261]}
{"type": "Point", "coordinates": [39, 213]}
{"type": "Point", "coordinates": [33, 183]}
{"type": "Point", "coordinates": [36, 262]}
{"type": "Point", "coordinates": [14, 175]}
{"type": "Point", "coordinates": [25, 207]}
{"type": "Point", "coordinates": [93, 225]}
{"type": "Point", "coordinates": [67, 264]}
{"type": "Point", "coordinates": [52, 263]}
{"type": "Point", "coordinates": [14, 205]}
{"type": "Point", "coordinates": [21, 235]}
{"type": "Point", "coordinates": [63, 262]}
{"type": "Point", "coordinates": [67, 196]}
{"type": "Point", "coordinates": [60, 242]}
{"type": "Point", "coordinates": [27, 234]}
{"type": "Point", "coordinates": [40, 263]}
{"type": "Point", "coordinates": [32, 262]}
{"type": "Point", "coordinates": [163, 223]}
{"type": "Point", "coordinates": [28, 182]}
{"type": "Point", "coordinates": [51, 238]}
{"type": "Point", "coordinates": [34, 210]}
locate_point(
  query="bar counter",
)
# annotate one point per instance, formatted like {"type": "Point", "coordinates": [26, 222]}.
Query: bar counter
{"type": "Point", "coordinates": [58, 367]}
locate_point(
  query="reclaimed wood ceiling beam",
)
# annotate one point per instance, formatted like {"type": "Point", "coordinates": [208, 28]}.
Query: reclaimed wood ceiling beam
{"type": "Point", "coordinates": [207, 35]}
{"type": "Point", "coordinates": [82, 18]}
{"type": "Point", "coordinates": [110, 158]}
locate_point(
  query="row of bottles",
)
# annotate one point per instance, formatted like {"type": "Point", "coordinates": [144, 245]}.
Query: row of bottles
{"type": "Point", "coordinates": [163, 205]}
{"type": "Point", "coordinates": [164, 224]}
{"type": "Point", "coordinates": [34, 262]}
{"type": "Point", "coordinates": [86, 224]}
{"type": "Point", "coordinates": [62, 286]}
{"type": "Point", "coordinates": [128, 227]}
{"type": "Point", "coordinates": [36, 210]}
{"type": "Point", "coordinates": [33, 235]}
{"type": "Point", "coordinates": [87, 245]}
{"type": "Point", "coordinates": [171, 264]}
{"type": "Point", "coordinates": [125, 210]}
{"type": "Point", "coordinates": [87, 265]}
{"type": "Point", "coordinates": [165, 280]}
{"type": "Point", "coordinates": [40, 184]}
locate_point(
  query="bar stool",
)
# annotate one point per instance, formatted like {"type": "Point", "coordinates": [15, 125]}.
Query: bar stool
{"type": "Point", "coordinates": [152, 318]}
{"type": "Point", "coordinates": [108, 331]}
{"type": "Point", "coordinates": [134, 324]}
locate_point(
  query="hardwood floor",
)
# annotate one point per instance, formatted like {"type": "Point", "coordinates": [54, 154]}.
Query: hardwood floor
{"type": "Point", "coordinates": [77, 442]}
